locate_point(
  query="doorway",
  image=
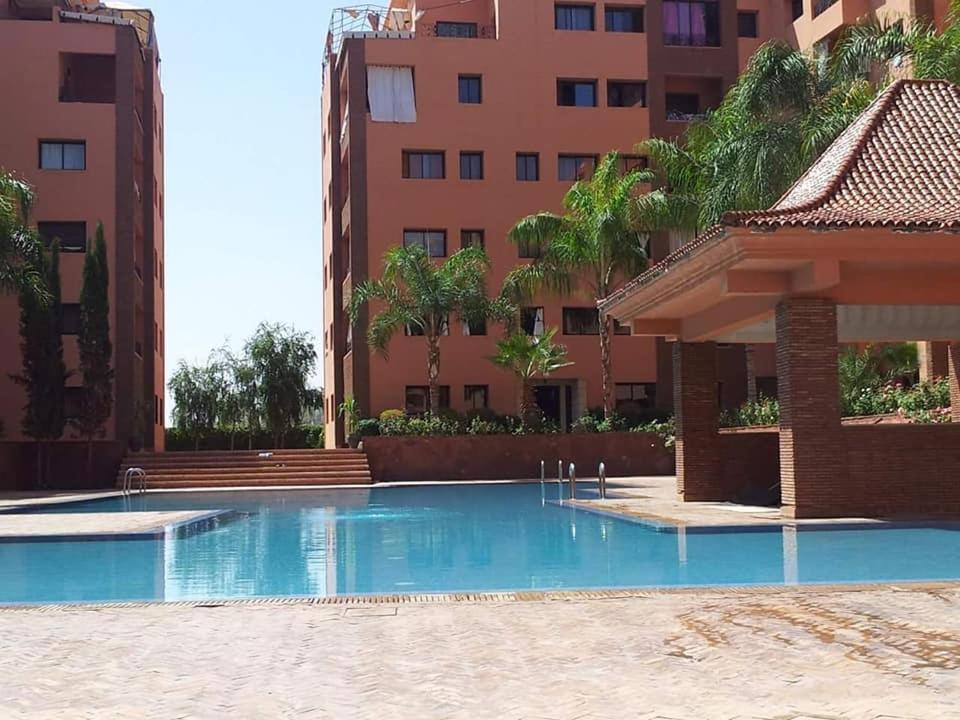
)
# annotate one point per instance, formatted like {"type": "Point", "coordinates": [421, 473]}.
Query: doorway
{"type": "Point", "coordinates": [555, 401]}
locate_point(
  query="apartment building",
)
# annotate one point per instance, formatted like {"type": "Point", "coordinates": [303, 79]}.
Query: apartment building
{"type": "Point", "coordinates": [444, 123]}
{"type": "Point", "coordinates": [83, 124]}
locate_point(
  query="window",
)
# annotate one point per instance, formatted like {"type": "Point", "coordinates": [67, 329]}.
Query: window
{"type": "Point", "coordinates": [796, 9]}
{"type": "Point", "coordinates": [72, 402]}
{"type": "Point", "coordinates": [626, 94]}
{"type": "Point", "coordinates": [423, 165]}
{"type": "Point", "coordinates": [528, 249]}
{"type": "Point", "coordinates": [70, 318]}
{"type": "Point", "coordinates": [417, 330]}
{"type": "Point", "coordinates": [475, 397]}
{"type": "Point", "coordinates": [576, 167]}
{"type": "Point", "coordinates": [433, 241]}
{"type": "Point", "coordinates": [634, 396]}
{"type": "Point", "coordinates": [528, 167]}
{"type": "Point", "coordinates": [418, 399]}
{"type": "Point", "coordinates": [471, 166]}
{"type": "Point", "coordinates": [630, 163]}
{"type": "Point", "coordinates": [474, 327]}
{"type": "Point", "coordinates": [456, 29]}
{"type": "Point", "coordinates": [531, 321]}
{"type": "Point", "coordinates": [623, 19]}
{"type": "Point", "coordinates": [691, 22]}
{"type": "Point", "coordinates": [391, 95]}
{"type": "Point", "coordinates": [72, 235]}
{"type": "Point", "coordinates": [747, 24]}
{"type": "Point", "coordinates": [471, 238]}
{"type": "Point", "coordinates": [577, 93]}
{"type": "Point", "coordinates": [63, 155]}
{"type": "Point", "coordinates": [471, 89]}
{"type": "Point", "coordinates": [682, 107]}
{"type": "Point", "coordinates": [581, 321]}
{"type": "Point", "coordinates": [88, 78]}
{"type": "Point", "coordinates": [573, 17]}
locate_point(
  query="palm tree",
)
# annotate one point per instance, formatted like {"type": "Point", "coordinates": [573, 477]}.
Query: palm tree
{"type": "Point", "coordinates": [878, 46]}
{"type": "Point", "coordinates": [529, 357]}
{"type": "Point", "coordinates": [599, 242]}
{"type": "Point", "coordinates": [420, 295]}
{"type": "Point", "coordinates": [19, 245]}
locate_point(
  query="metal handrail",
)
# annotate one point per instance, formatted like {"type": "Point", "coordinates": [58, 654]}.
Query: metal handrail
{"type": "Point", "coordinates": [572, 470]}
{"type": "Point", "coordinates": [602, 481]}
{"type": "Point", "coordinates": [128, 478]}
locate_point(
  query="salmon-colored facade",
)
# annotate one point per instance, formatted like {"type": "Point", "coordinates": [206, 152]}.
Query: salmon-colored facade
{"type": "Point", "coordinates": [519, 58]}
{"type": "Point", "coordinates": [83, 124]}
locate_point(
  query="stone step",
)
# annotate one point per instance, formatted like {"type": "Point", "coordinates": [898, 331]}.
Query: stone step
{"type": "Point", "coordinates": [239, 482]}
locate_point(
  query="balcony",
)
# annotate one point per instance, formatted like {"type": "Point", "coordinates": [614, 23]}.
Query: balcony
{"type": "Point", "coordinates": [462, 30]}
{"type": "Point", "coordinates": [689, 99]}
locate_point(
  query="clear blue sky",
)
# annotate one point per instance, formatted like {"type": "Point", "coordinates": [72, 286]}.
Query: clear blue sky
{"type": "Point", "coordinates": [242, 81]}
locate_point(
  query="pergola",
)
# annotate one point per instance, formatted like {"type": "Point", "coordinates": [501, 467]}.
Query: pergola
{"type": "Point", "coordinates": [864, 247]}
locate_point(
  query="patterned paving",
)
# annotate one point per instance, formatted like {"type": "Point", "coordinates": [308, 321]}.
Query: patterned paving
{"type": "Point", "coordinates": [882, 654]}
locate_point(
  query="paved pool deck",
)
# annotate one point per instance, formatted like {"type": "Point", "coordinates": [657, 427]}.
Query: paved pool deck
{"type": "Point", "coordinates": [797, 654]}
{"type": "Point", "coordinates": [655, 499]}
{"type": "Point", "coordinates": [95, 526]}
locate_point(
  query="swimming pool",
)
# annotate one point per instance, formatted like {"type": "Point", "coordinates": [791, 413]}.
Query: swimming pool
{"type": "Point", "coordinates": [444, 539]}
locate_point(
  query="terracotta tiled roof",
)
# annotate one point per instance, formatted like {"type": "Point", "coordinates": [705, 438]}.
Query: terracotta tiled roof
{"type": "Point", "coordinates": [897, 165]}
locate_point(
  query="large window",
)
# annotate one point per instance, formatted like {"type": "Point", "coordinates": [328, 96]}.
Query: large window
{"type": "Point", "coordinates": [456, 29]}
{"type": "Point", "coordinates": [433, 241]}
{"type": "Point", "coordinates": [531, 321]}
{"type": "Point", "coordinates": [476, 397]}
{"type": "Point", "coordinates": [70, 318]}
{"type": "Point", "coordinates": [747, 24]}
{"type": "Point", "coordinates": [528, 167]}
{"type": "Point", "coordinates": [471, 238]}
{"type": "Point", "coordinates": [470, 89]}
{"type": "Point", "coordinates": [581, 321]}
{"type": "Point", "coordinates": [623, 19]}
{"type": "Point", "coordinates": [622, 93]}
{"type": "Point", "coordinates": [474, 327]}
{"type": "Point", "coordinates": [577, 93]}
{"type": "Point", "coordinates": [573, 17]}
{"type": "Point", "coordinates": [72, 235]}
{"type": "Point", "coordinates": [418, 399]}
{"type": "Point", "coordinates": [691, 22]}
{"type": "Point", "coordinates": [63, 155]}
{"type": "Point", "coordinates": [423, 165]}
{"type": "Point", "coordinates": [683, 107]}
{"type": "Point", "coordinates": [576, 167]}
{"type": "Point", "coordinates": [631, 397]}
{"type": "Point", "coordinates": [471, 166]}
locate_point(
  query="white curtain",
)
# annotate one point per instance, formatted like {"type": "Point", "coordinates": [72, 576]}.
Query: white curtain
{"type": "Point", "coordinates": [390, 93]}
{"type": "Point", "coordinates": [538, 328]}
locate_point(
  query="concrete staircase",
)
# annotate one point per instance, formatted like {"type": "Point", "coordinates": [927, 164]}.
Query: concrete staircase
{"type": "Point", "coordinates": [246, 468]}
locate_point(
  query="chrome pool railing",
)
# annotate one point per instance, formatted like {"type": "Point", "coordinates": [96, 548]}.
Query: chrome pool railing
{"type": "Point", "coordinates": [572, 470]}
{"type": "Point", "coordinates": [602, 481]}
{"type": "Point", "coordinates": [130, 476]}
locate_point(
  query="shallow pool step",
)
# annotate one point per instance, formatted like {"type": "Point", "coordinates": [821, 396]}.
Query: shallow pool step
{"type": "Point", "coordinates": [247, 468]}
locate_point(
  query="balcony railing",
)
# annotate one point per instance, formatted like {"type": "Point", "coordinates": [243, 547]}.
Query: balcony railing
{"type": "Point", "coordinates": [708, 39]}
{"type": "Point", "coordinates": [467, 31]}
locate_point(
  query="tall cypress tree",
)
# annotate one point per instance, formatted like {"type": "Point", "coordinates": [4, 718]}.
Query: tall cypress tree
{"type": "Point", "coordinates": [44, 373]}
{"type": "Point", "coordinates": [96, 350]}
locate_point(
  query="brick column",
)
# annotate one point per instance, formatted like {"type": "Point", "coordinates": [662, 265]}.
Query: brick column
{"type": "Point", "coordinates": [812, 455]}
{"type": "Point", "coordinates": [933, 359]}
{"type": "Point", "coordinates": [697, 414]}
{"type": "Point", "coordinates": [953, 374]}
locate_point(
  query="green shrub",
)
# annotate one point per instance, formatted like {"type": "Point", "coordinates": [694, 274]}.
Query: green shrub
{"type": "Point", "coordinates": [666, 429]}
{"type": "Point", "coordinates": [367, 427]}
{"type": "Point", "coordinates": [765, 411]}
{"type": "Point", "coordinates": [479, 426]}
{"type": "Point", "coordinates": [392, 414]}
{"type": "Point", "coordinates": [586, 423]}
{"type": "Point", "coordinates": [424, 426]}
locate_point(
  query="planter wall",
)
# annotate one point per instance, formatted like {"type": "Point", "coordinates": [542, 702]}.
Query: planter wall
{"type": "Point", "coordinates": [68, 465]}
{"type": "Point", "coordinates": [514, 457]}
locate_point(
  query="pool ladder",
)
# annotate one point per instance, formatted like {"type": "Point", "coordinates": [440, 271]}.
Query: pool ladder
{"type": "Point", "coordinates": [130, 476]}
{"type": "Point", "coordinates": [572, 474]}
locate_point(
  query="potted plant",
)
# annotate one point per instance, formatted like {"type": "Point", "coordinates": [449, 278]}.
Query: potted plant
{"type": "Point", "coordinates": [350, 412]}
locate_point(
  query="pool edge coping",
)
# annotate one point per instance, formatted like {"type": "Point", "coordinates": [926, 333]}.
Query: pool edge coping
{"type": "Point", "coordinates": [523, 596]}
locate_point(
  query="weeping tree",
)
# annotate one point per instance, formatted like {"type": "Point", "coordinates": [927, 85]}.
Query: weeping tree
{"type": "Point", "coordinates": [282, 361]}
{"type": "Point", "coordinates": [197, 392]}
{"type": "Point", "coordinates": [44, 373]}
{"type": "Point", "coordinates": [96, 349]}
{"type": "Point", "coordinates": [529, 357]}
{"type": "Point", "coordinates": [598, 242]}
{"type": "Point", "coordinates": [420, 296]}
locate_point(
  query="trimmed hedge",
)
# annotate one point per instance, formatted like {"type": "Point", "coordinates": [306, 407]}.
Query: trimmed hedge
{"type": "Point", "coordinates": [306, 436]}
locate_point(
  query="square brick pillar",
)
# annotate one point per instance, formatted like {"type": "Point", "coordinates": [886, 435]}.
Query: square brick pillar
{"type": "Point", "coordinates": [812, 454]}
{"type": "Point", "coordinates": [697, 413]}
{"type": "Point", "coordinates": [933, 359]}
{"type": "Point", "coordinates": [953, 375]}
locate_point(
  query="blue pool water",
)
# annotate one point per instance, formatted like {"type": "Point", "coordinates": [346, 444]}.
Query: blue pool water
{"type": "Point", "coordinates": [442, 539]}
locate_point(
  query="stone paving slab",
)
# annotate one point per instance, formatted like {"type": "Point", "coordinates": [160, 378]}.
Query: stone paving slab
{"type": "Point", "coordinates": [107, 525]}
{"type": "Point", "coordinates": [13, 501]}
{"type": "Point", "coordinates": [817, 654]}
